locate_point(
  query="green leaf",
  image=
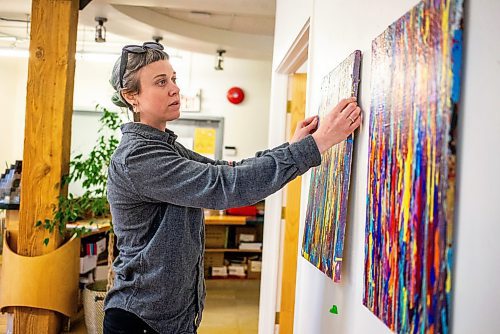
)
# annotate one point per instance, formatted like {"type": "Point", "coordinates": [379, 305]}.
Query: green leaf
{"type": "Point", "coordinates": [46, 241]}
{"type": "Point", "coordinates": [91, 170]}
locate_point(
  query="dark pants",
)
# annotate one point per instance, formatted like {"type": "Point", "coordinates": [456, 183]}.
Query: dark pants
{"type": "Point", "coordinates": [118, 321]}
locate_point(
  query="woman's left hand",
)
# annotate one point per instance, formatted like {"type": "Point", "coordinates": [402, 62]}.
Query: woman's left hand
{"type": "Point", "coordinates": [304, 128]}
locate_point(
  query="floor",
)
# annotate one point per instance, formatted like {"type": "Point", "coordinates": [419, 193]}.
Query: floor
{"type": "Point", "coordinates": [232, 307]}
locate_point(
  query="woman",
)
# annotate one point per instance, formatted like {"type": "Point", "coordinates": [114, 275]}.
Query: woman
{"type": "Point", "coordinates": [157, 189]}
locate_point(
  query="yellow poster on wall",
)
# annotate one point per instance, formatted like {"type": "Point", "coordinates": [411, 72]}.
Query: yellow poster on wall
{"type": "Point", "coordinates": [204, 141]}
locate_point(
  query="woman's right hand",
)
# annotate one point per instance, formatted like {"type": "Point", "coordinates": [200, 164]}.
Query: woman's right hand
{"type": "Point", "coordinates": [339, 123]}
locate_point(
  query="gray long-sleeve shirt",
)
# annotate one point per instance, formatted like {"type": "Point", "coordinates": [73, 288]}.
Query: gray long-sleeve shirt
{"type": "Point", "coordinates": [156, 189]}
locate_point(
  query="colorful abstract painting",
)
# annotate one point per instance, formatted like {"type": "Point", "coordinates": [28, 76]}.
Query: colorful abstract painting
{"type": "Point", "coordinates": [323, 242]}
{"type": "Point", "coordinates": [416, 65]}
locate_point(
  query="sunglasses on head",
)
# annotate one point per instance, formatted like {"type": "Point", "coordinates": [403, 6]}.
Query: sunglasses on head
{"type": "Point", "coordinates": [135, 49]}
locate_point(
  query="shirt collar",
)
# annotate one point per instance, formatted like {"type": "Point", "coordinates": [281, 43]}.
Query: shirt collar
{"type": "Point", "coordinates": [149, 132]}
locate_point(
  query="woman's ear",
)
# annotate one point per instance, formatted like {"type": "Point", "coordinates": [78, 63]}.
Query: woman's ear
{"type": "Point", "coordinates": [130, 97]}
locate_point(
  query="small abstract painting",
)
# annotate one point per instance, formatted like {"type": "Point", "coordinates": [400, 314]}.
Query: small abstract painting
{"type": "Point", "coordinates": [416, 67]}
{"type": "Point", "coordinates": [323, 242]}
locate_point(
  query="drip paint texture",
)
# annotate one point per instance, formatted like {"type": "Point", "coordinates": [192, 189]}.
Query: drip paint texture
{"type": "Point", "coordinates": [323, 243]}
{"type": "Point", "coordinates": [415, 86]}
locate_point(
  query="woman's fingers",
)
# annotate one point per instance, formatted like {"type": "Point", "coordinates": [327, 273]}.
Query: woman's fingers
{"type": "Point", "coordinates": [304, 128]}
{"type": "Point", "coordinates": [354, 125]}
{"type": "Point", "coordinates": [305, 122]}
{"type": "Point", "coordinates": [308, 120]}
{"type": "Point", "coordinates": [344, 103]}
{"type": "Point", "coordinates": [312, 123]}
{"type": "Point", "coordinates": [349, 109]}
{"type": "Point", "coordinates": [354, 114]}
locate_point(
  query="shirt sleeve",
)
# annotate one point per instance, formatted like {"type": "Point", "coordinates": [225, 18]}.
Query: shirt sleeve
{"type": "Point", "coordinates": [160, 174]}
{"type": "Point", "coordinates": [200, 158]}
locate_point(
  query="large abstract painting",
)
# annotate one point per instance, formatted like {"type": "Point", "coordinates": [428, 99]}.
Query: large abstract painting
{"type": "Point", "coordinates": [323, 242]}
{"type": "Point", "coordinates": [416, 65]}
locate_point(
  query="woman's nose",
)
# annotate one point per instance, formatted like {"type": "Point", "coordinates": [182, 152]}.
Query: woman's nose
{"type": "Point", "coordinates": [174, 90]}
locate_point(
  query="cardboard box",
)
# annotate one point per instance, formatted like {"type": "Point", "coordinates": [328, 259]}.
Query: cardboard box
{"type": "Point", "coordinates": [236, 271]}
{"type": "Point", "coordinates": [213, 260]}
{"type": "Point", "coordinates": [215, 236]}
{"type": "Point", "coordinates": [219, 272]}
{"type": "Point", "coordinates": [245, 234]}
{"type": "Point", "coordinates": [247, 237]}
{"type": "Point", "coordinates": [250, 246]}
{"type": "Point", "coordinates": [254, 269]}
{"type": "Point", "coordinates": [87, 263]}
{"type": "Point", "coordinates": [101, 245]}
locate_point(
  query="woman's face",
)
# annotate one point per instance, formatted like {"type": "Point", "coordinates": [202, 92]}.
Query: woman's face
{"type": "Point", "coordinates": [158, 101]}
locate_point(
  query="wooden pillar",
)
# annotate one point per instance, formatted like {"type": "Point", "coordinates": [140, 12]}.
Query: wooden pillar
{"type": "Point", "coordinates": [47, 137]}
{"type": "Point", "coordinates": [292, 216]}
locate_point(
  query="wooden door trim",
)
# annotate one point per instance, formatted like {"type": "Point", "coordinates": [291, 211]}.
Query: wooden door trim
{"type": "Point", "coordinates": [298, 52]}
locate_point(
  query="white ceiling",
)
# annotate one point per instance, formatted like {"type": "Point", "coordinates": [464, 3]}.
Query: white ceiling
{"type": "Point", "coordinates": [244, 28]}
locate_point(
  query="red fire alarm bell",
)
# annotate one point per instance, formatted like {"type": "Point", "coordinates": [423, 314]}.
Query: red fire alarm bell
{"type": "Point", "coordinates": [235, 95]}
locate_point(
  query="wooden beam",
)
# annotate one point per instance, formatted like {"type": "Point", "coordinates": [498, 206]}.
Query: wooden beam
{"type": "Point", "coordinates": [47, 137]}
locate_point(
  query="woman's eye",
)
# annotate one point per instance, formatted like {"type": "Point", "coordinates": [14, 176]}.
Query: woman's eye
{"type": "Point", "coordinates": [174, 80]}
{"type": "Point", "coordinates": [162, 82]}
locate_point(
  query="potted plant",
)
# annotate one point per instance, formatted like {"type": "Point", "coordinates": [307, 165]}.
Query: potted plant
{"type": "Point", "coordinates": [91, 171]}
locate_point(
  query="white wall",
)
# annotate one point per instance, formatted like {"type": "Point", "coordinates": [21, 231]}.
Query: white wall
{"type": "Point", "coordinates": [245, 124]}
{"type": "Point", "coordinates": [13, 76]}
{"type": "Point", "coordinates": [91, 88]}
{"type": "Point", "coordinates": [291, 16]}
{"type": "Point", "coordinates": [339, 27]}
{"type": "Point", "coordinates": [477, 264]}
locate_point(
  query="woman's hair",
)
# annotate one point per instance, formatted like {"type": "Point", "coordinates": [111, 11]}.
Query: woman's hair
{"type": "Point", "coordinates": [131, 81]}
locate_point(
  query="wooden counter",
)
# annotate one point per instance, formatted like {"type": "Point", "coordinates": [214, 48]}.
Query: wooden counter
{"type": "Point", "coordinates": [225, 220]}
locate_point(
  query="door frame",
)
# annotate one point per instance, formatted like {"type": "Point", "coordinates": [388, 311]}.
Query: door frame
{"type": "Point", "coordinates": [296, 55]}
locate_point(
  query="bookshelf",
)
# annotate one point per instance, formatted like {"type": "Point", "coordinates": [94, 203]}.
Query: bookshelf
{"type": "Point", "coordinates": [96, 226]}
{"type": "Point", "coordinates": [231, 250]}
{"type": "Point", "coordinates": [9, 206]}
{"type": "Point", "coordinates": [222, 248]}
{"type": "Point", "coordinates": [226, 220]}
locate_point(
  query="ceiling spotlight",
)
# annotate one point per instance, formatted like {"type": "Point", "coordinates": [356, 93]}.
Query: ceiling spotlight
{"type": "Point", "coordinates": [219, 60]}
{"type": "Point", "coordinates": [157, 39]}
{"type": "Point", "coordinates": [100, 30]}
